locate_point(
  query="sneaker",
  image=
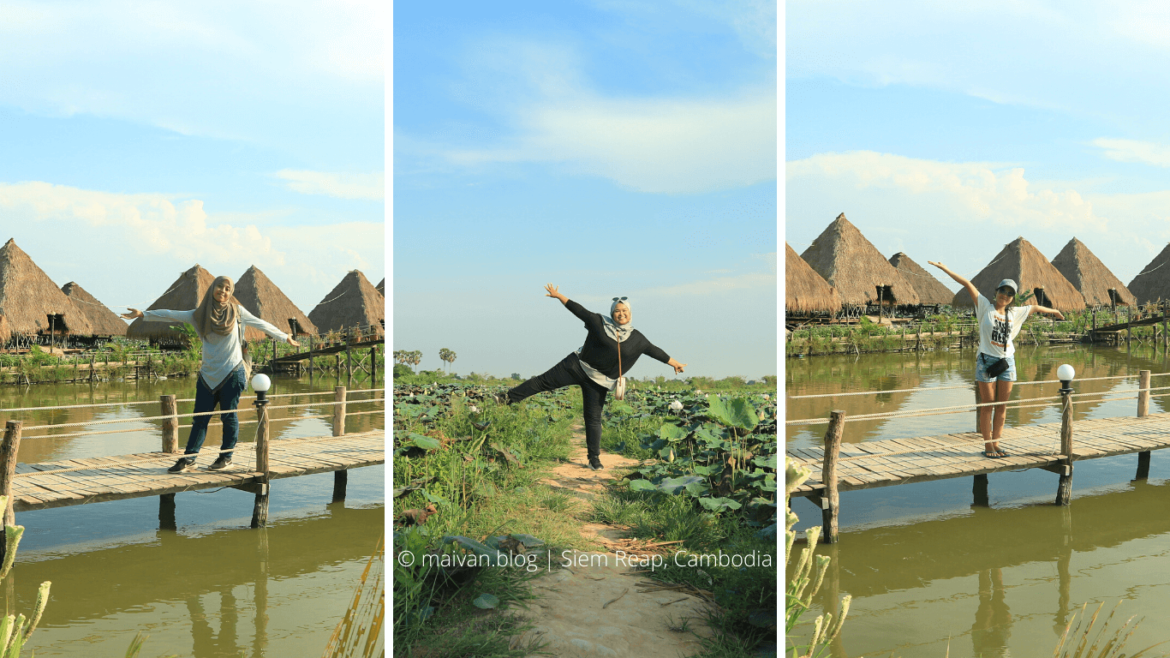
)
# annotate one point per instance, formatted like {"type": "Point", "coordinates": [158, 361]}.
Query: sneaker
{"type": "Point", "coordinates": [184, 464]}
{"type": "Point", "coordinates": [223, 462]}
{"type": "Point", "coordinates": [595, 464]}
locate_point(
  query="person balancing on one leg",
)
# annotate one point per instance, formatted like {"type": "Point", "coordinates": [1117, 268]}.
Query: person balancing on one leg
{"type": "Point", "coordinates": [610, 350]}
{"type": "Point", "coordinates": [222, 376]}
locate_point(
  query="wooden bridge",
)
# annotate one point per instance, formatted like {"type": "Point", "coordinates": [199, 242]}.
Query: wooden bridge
{"type": "Point", "coordinates": [78, 481]}
{"type": "Point", "coordinates": [1047, 446]}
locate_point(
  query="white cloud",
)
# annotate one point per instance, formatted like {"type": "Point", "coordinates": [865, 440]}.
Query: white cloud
{"type": "Point", "coordinates": [983, 191]}
{"type": "Point", "coordinates": [259, 71]}
{"type": "Point", "coordinates": [963, 213]}
{"type": "Point", "coordinates": [662, 146]}
{"type": "Point", "coordinates": [1130, 150]}
{"type": "Point", "coordinates": [340, 185]}
{"type": "Point", "coordinates": [147, 224]}
{"type": "Point", "coordinates": [126, 248]}
{"type": "Point", "coordinates": [716, 286]}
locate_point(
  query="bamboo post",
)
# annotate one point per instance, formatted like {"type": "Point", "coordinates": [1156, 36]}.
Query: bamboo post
{"type": "Point", "coordinates": [374, 366]}
{"type": "Point", "coordinates": [1143, 410]}
{"type": "Point", "coordinates": [348, 362]}
{"type": "Point", "coordinates": [340, 478]}
{"type": "Point", "coordinates": [170, 430]}
{"type": "Point", "coordinates": [830, 501]}
{"type": "Point", "coordinates": [1064, 488]}
{"type": "Point", "coordinates": [1128, 320]}
{"type": "Point", "coordinates": [260, 509]}
{"type": "Point", "coordinates": [8, 452]}
{"type": "Point", "coordinates": [310, 357]}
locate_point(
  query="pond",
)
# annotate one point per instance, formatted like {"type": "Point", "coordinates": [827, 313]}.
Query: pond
{"type": "Point", "coordinates": [929, 569]}
{"type": "Point", "coordinates": [203, 583]}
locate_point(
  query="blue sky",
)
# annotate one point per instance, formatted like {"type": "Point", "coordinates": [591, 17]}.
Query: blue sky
{"type": "Point", "coordinates": [614, 148]}
{"type": "Point", "coordinates": [140, 140]}
{"type": "Point", "coordinates": [948, 130]}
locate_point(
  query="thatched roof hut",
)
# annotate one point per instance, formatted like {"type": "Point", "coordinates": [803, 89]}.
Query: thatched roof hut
{"type": "Point", "coordinates": [5, 332]}
{"type": "Point", "coordinates": [354, 302]}
{"type": "Point", "coordinates": [1090, 276]}
{"type": "Point", "coordinates": [183, 295]}
{"type": "Point", "coordinates": [1153, 283]}
{"type": "Point", "coordinates": [28, 298]}
{"type": "Point", "coordinates": [381, 287]}
{"type": "Point", "coordinates": [855, 267]}
{"type": "Point", "coordinates": [105, 322]}
{"type": "Point", "coordinates": [263, 299]}
{"type": "Point", "coordinates": [1023, 263]}
{"type": "Point", "coordinates": [805, 291]}
{"type": "Point", "coordinates": [930, 290]}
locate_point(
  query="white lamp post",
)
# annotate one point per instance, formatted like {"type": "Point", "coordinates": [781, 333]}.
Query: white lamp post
{"type": "Point", "coordinates": [1065, 374]}
{"type": "Point", "coordinates": [261, 383]}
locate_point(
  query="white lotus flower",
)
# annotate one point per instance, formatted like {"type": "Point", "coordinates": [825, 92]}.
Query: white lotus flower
{"type": "Point", "coordinates": [474, 409]}
{"type": "Point", "coordinates": [698, 392]}
{"type": "Point", "coordinates": [767, 397]}
{"type": "Point", "coordinates": [676, 405]}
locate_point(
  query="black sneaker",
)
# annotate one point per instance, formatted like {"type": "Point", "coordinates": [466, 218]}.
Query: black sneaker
{"type": "Point", "coordinates": [223, 462]}
{"type": "Point", "coordinates": [595, 464]}
{"type": "Point", "coordinates": [184, 464]}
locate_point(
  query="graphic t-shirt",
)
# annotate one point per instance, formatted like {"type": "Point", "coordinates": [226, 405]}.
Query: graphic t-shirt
{"type": "Point", "coordinates": [996, 330]}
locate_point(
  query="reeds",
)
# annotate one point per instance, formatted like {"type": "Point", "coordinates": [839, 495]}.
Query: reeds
{"type": "Point", "coordinates": [360, 632]}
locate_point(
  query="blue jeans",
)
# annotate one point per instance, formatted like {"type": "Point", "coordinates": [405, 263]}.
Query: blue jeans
{"type": "Point", "coordinates": [227, 397]}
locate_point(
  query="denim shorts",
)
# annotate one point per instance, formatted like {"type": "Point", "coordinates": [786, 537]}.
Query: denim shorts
{"type": "Point", "coordinates": [984, 360]}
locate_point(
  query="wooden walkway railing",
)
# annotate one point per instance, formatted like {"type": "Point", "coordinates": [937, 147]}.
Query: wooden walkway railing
{"type": "Point", "coordinates": [88, 480]}
{"type": "Point", "coordinates": [1048, 446]}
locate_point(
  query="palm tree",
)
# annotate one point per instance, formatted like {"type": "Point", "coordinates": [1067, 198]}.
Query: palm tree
{"type": "Point", "coordinates": [446, 355]}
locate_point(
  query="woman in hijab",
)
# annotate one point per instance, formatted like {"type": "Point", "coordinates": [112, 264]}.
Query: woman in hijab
{"type": "Point", "coordinates": [594, 366]}
{"type": "Point", "coordinates": [220, 325]}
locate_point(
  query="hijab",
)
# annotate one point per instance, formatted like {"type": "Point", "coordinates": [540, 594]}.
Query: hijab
{"type": "Point", "coordinates": [216, 317]}
{"type": "Point", "coordinates": [619, 332]}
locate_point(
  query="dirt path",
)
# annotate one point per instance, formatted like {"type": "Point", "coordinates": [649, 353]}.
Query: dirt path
{"type": "Point", "coordinates": [596, 606]}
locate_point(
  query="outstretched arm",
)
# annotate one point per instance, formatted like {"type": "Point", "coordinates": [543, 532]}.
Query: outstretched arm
{"type": "Point", "coordinates": [1047, 311]}
{"type": "Point", "coordinates": [678, 367]}
{"type": "Point", "coordinates": [961, 281]}
{"type": "Point", "coordinates": [552, 292]}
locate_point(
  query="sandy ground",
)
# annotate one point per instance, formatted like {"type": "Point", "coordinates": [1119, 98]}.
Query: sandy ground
{"type": "Point", "coordinates": [597, 606]}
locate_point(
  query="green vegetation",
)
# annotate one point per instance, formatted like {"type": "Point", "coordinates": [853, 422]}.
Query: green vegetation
{"type": "Point", "coordinates": [473, 469]}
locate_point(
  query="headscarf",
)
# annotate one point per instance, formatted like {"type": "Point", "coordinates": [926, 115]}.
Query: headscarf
{"type": "Point", "coordinates": [213, 316]}
{"type": "Point", "coordinates": [619, 332]}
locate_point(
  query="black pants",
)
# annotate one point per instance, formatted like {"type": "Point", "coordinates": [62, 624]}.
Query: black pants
{"type": "Point", "coordinates": [567, 373]}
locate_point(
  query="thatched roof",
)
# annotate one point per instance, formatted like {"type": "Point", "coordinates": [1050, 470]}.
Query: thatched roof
{"type": "Point", "coordinates": [930, 290]}
{"type": "Point", "coordinates": [1022, 262]}
{"type": "Point", "coordinates": [1153, 283]}
{"type": "Point", "coordinates": [5, 332]}
{"type": "Point", "coordinates": [28, 297]}
{"type": "Point", "coordinates": [353, 302]}
{"type": "Point", "coordinates": [805, 291]}
{"type": "Point", "coordinates": [183, 295]}
{"type": "Point", "coordinates": [263, 299]}
{"type": "Point", "coordinates": [105, 322]}
{"type": "Point", "coordinates": [381, 287]}
{"type": "Point", "coordinates": [855, 267]}
{"type": "Point", "coordinates": [1090, 276]}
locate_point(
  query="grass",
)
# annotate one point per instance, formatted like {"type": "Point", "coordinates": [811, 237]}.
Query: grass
{"type": "Point", "coordinates": [479, 494]}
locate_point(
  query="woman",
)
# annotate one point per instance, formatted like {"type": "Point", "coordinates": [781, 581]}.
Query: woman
{"type": "Point", "coordinates": [998, 326]}
{"type": "Point", "coordinates": [594, 367]}
{"type": "Point", "coordinates": [221, 376]}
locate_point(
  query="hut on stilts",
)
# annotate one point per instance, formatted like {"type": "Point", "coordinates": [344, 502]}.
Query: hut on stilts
{"type": "Point", "coordinates": [35, 308]}
{"type": "Point", "coordinates": [1023, 263]}
{"type": "Point", "coordinates": [1153, 283]}
{"type": "Point", "coordinates": [352, 303]}
{"type": "Point", "coordinates": [105, 322]}
{"type": "Point", "coordinates": [930, 290]}
{"type": "Point", "coordinates": [859, 272]}
{"type": "Point", "coordinates": [183, 295]}
{"type": "Point", "coordinates": [806, 293]}
{"type": "Point", "coordinates": [266, 301]}
{"type": "Point", "coordinates": [1089, 275]}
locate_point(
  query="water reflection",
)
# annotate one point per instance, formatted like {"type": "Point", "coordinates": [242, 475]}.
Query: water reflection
{"type": "Point", "coordinates": [993, 618]}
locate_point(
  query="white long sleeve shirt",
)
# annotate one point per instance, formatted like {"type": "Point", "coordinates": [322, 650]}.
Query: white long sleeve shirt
{"type": "Point", "coordinates": [221, 354]}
